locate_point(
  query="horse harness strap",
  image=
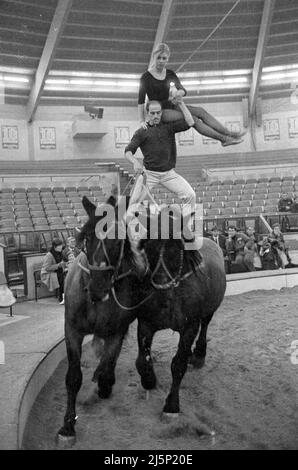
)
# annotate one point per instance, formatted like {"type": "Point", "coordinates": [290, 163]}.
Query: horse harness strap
{"type": "Point", "coordinates": [174, 281]}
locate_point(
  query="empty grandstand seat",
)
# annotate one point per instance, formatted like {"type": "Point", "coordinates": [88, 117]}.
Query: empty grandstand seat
{"type": "Point", "coordinates": [35, 213]}
{"type": "Point", "coordinates": [64, 205]}
{"type": "Point", "coordinates": [270, 208]}
{"type": "Point", "coordinates": [244, 203]}
{"type": "Point", "coordinates": [272, 201]}
{"type": "Point", "coordinates": [263, 179]}
{"type": "Point", "coordinates": [238, 187]}
{"type": "Point", "coordinates": [230, 203]}
{"type": "Point", "coordinates": [241, 210]}
{"type": "Point", "coordinates": [58, 189]}
{"type": "Point", "coordinates": [260, 196]}
{"type": "Point", "coordinates": [50, 207]}
{"type": "Point", "coordinates": [249, 186]}
{"type": "Point", "coordinates": [45, 189]}
{"type": "Point", "coordinates": [32, 189]}
{"type": "Point", "coordinates": [5, 197]}
{"type": "Point", "coordinates": [251, 181]}
{"type": "Point", "coordinates": [6, 215]}
{"type": "Point", "coordinates": [212, 212]}
{"type": "Point", "coordinates": [226, 186]}
{"type": "Point", "coordinates": [19, 190]}
{"type": "Point", "coordinates": [67, 212]}
{"type": "Point", "coordinates": [216, 205]}
{"type": "Point", "coordinates": [21, 208]}
{"type": "Point", "coordinates": [33, 198]}
{"type": "Point", "coordinates": [256, 209]}
{"type": "Point", "coordinates": [288, 178]}
{"type": "Point", "coordinates": [228, 182]}
{"type": "Point", "coordinates": [20, 196]}
{"type": "Point", "coordinates": [275, 196]}
{"type": "Point", "coordinates": [258, 202]}
{"type": "Point", "coordinates": [239, 181]}
{"type": "Point", "coordinates": [211, 193]}
{"type": "Point", "coordinates": [24, 223]}
{"type": "Point", "coordinates": [6, 190]}
{"type": "Point", "coordinates": [223, 192]}
{"type": "Point", "coordinates": [227, 211]}
{"type": "Point", "coordinates": [36, 207]}
{"type": "Point", "coordinates": [275, 179]}
{"type": "Point", "coordinates": [39, 220]}
{"type": "Point", "coordinates": [41, 227]}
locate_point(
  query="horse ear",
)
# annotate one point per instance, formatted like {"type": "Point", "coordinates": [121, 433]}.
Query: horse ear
{"type": "Point", "coordinates": [88, 206]}
{"type": "Point", "coordinates": [114, 196]}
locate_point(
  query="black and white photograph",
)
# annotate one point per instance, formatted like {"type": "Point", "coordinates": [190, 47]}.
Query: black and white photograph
{"type": "Point", "coordinates": [149, 228]}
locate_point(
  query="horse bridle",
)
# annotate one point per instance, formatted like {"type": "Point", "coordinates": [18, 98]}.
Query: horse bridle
{"type": "Point", "coordinates": [115, 276]}
{"type": "Point", "coordinates": [172, 283]}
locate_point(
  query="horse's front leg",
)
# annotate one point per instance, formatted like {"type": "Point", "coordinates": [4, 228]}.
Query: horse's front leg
{"type": "Point", "coordinates": [144, 363]}
{"type": "Point", "coordinates": [197, 358]}
{"type": "Point", "coordinates": [73, 383]}
{"type": "Point", "coordinates": [178, 369]}
{"type": "Point", "coordinates": [104, 375]}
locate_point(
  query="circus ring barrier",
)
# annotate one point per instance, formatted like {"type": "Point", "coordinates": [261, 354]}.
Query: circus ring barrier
{"type": "Point", "coordinates": [41, 369]}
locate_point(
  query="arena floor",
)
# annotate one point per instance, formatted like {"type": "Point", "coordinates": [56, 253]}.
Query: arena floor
{"type": "Point", "coordinates": [246, 393]}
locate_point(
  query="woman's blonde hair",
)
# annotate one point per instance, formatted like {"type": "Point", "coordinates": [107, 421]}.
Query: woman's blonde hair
{"type": "Point", "coordinates": [162, 48]}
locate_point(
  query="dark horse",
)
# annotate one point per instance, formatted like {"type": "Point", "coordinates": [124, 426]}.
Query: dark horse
{"type": "Point", "coordinates": [103, 295]}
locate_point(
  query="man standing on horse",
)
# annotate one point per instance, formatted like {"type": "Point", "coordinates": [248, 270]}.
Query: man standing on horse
{"type": "Point", "coordinates": [158, 146]}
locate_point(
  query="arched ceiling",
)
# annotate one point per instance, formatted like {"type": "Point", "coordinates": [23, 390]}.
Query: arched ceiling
{"type": "Point", "coordinates": [49, 40]}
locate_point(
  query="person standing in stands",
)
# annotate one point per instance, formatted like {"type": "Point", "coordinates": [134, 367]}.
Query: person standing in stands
{"type": "Point", "coordinates": [239, 251]}
{"type": "Point", "coordinates": [52, 271]}
{"type": "Point", "coordinates": [162, 84]}
{"type": "Point", "coordinates": [285, 203]}
{"type": "Point", "coordinates": [70, 252]}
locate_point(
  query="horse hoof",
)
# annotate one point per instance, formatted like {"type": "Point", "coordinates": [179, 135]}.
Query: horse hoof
{"type": "Point", "coordinates": [197, 362]}
{"type": "Point", "coordinates": [65, 442]}
{"type": "Point", "coordinates": [169, 417]}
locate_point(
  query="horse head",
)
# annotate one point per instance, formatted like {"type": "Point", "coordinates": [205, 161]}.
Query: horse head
{"type": "Point", "coordinates": [104, 246]}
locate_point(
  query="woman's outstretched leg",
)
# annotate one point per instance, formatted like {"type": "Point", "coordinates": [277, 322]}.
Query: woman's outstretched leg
{"type": "Point", "coordinates": [170, 115]}
{"type": "Point", "coordinates": [210, 121]}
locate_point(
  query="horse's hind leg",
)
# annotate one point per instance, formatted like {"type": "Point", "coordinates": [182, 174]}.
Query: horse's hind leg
{"type": "Point", "coordinates": [178, 368]}
{"type": "Point", "coordinates": [104, 374]}
{"type": "Point", "coordinates": [73, 383]}
{"type": "Point", "coordinates": [144, 362]}
{"type": "Point", "coordinates": [197, 359]}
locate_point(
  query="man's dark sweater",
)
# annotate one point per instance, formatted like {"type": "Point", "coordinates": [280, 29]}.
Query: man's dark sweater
{"type": "Point", "coordinates": [157, 144]}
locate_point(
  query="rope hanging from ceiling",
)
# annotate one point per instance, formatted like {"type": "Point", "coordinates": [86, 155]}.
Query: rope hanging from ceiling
{"type": "Point", "coordinates": [209, 36]}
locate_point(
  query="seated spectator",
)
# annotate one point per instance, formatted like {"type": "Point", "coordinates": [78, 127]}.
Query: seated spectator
{"type": "Point", "coordinates": [240, 249]}
{"type": "Point", "coordinates": [70, 252]}
{"type": "Point", "coordinates": [285, 203]}
{"type": "Point", "coordinates": [250, 232]}
{"type": "Point", "coordinates": [220, 240]}
{"type": "Point", "coordinates": [277, 240]}
{"type": "Point", "coordinates": [294, 206]}
{"type": "Point", "coordinates": [268, 255]}
{"type": "Point", "coordinates": [52, 271]}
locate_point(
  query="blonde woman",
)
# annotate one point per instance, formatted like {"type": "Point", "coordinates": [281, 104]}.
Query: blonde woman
{"type": "Point", "coordinates": [162, 84]}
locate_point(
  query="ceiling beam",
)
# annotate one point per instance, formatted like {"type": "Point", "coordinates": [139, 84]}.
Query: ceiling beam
{"type": "Point", "coordinates": [260, 53]}
{"type": "Point", "coordinates": [55, 31]}
{"type": "Point", "coordinates": [163, 24]}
